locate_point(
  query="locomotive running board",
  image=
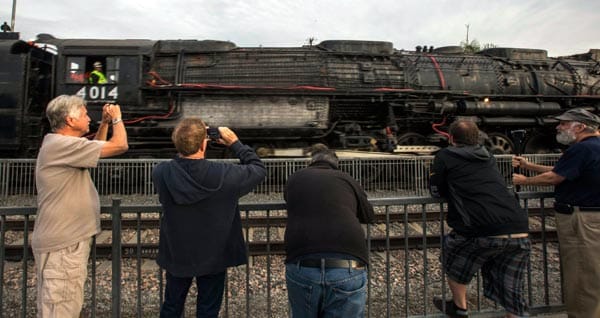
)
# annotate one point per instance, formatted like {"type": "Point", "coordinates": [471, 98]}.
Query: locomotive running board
{"type": "Point", "coordinates": [420, 150]}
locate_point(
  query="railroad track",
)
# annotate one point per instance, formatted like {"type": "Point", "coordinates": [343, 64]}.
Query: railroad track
{"type": "Point", "coordinates": [131, 249]}
{"type": "Point", "coordinates": [258, 248]}
{"type": "Point", "coordinates": [273, 221]}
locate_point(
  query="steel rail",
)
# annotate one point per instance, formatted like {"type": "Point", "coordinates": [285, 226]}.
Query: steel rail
{"type": "Point", "coordinates": [258, 248]}
{"type": "Point", "coordinates": [129, 223]}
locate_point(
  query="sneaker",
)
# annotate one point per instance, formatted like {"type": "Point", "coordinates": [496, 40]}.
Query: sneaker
{"type": "Point", "coordinates": [452, 310]}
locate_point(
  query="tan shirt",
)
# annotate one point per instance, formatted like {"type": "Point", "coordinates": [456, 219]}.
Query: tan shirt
{"type": "Point", "coordinates": [68, 202]}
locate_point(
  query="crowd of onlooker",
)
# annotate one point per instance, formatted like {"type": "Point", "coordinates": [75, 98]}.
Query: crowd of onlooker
{"type": "Point", "coordinates": [326, 251]}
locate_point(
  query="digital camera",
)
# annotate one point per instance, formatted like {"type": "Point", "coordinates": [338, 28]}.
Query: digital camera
{"type": "Point", "coordinates": [213, 133]}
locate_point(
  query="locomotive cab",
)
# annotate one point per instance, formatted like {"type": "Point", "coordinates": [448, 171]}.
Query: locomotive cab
{"type": "Point", "coordinates": [120, 63]}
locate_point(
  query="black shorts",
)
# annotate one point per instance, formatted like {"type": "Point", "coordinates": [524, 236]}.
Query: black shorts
{"type": "Point", "coordinates": [503, 263]}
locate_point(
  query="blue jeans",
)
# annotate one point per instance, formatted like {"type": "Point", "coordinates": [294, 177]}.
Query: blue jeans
{"type": "Point", "coordinates": [326, 293]}
{"type": "Point", "coordinates": [209, 298]}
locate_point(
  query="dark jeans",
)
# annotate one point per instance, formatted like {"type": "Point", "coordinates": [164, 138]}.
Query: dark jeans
{"type": "Point", "coordinates": [208, 302]}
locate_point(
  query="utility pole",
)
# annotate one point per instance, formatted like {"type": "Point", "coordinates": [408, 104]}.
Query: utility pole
{"type": "Point", "coordinates": [14, 11]}
{"type": "Point", "coordinates": [467, 42]}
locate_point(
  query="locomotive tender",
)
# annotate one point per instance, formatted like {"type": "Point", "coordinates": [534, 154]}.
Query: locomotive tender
{"type": "Point", "coordinates": [362, 95]}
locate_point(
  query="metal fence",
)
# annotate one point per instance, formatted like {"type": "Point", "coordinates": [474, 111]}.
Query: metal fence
{"type": "Point", "coordinates": [404, 174]}
{"type": "Point", "coordinates": [404, 274]}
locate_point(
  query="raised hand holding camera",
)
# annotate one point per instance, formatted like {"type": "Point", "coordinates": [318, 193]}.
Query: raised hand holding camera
{"type": "Point", "coordinates": [222, 135]}
{"type": "Point", "coordinates": [213, 133]}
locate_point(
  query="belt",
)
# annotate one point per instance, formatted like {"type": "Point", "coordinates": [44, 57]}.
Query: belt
{"type": "Point", "coordinates": [565, 208]}
{"type": "Point", "coordinates": [331, 263]}
{"type": "Point", "coordinates": [511, 236]}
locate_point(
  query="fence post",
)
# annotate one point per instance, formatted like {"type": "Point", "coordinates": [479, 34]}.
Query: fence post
{"type": "Point", "coordinates": [2, 231]}
{"type": "Point", "coordinates": [116, 258]}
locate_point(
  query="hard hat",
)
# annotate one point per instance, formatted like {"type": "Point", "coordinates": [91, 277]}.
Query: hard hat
{"type": "Point", "coordinates": [97, 64]}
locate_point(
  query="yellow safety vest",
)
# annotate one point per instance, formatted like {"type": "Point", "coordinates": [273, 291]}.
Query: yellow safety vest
{"type": "Point", "coordinates": [101, 77]}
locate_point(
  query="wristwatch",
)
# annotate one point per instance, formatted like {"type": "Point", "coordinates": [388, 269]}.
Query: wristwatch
{"type": "Point", "coordinates": [116, 120]}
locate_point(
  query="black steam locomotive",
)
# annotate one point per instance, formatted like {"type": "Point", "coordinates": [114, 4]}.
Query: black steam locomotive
{"type": "Point", "coordinates": [361, 95]}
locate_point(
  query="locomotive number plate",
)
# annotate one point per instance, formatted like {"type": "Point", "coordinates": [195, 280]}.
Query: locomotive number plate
{"type": "Point", "coordinates": [99, 93]}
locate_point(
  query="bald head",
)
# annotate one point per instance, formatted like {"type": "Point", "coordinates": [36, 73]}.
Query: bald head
{"type": "Point", "coordinates": [464, 132]}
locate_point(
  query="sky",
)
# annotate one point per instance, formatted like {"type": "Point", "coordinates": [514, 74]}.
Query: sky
{"type": "Point", "coordinates": [562, 27]}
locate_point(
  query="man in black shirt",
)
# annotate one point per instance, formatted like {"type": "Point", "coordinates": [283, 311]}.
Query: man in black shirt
{"type": "Point", "coordinates": [325, 244]}
{"type": "Point", "coordinates": [489, 229]}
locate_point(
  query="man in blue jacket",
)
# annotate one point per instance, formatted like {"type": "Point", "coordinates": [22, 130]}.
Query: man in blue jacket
{"type": "Point", "coordinates": [489, 229]}
{"type": "Point", "coordinates": [200, 230]}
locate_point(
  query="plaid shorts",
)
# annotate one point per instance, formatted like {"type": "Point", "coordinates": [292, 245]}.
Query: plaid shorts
{"type": "Point", "coordinates": [502, 261]}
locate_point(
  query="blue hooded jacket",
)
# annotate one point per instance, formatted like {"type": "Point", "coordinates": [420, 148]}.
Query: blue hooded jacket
{"type": "Point", "coordinates": [201, 230]}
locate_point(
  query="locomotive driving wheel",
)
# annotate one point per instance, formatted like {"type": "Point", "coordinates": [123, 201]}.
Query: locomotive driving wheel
{"type": "Point", "coordinates": [540, 143]}
{"type": "Point", "coordinates": [410, 139]}
{"type": "Point", "coordinates": [499, 144]}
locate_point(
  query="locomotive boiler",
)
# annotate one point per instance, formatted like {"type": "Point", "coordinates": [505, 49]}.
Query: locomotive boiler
{"type": "Point", "coordinates": [361, 95]}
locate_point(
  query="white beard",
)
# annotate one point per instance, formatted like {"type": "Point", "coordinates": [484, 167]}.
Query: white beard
{"type": "Point", "coordinates": [566, 137]}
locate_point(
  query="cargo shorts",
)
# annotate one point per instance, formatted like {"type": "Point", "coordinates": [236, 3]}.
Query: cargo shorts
{"type": "Point", "coordinates": [61, 278]}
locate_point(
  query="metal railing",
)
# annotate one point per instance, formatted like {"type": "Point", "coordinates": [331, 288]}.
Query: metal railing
{"type": "Point", "coordinates": [406, 175]}
{"type": "Point", "coordinates": [404, 274]}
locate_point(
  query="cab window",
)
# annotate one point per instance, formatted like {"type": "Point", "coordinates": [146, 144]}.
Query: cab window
{"type": "Point", "coordinates": [75, 70]}
{"type": "Point", "coordinates": [112, 69]}
{"type": "Point", "coordinates": [90, 69]}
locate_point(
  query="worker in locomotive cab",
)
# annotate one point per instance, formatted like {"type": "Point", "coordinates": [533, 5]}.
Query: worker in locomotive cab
{"type": "Point", "coordinates": [200, 227]}
{"type": "Point", "coordinates": [68, 214]}
{"type": "Point", "coordinates": [489, 228]}
{"type": "Point", "coordinates": [97, 75]}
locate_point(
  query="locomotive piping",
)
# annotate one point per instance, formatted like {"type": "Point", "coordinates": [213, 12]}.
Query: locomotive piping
{"type": "Point", "coordinates": [164, 83]}
{"type": "Point", "coordinates": [164, 116]}
{"type": "Point", "coordinates": [438, 70]}
{"type": "Point", "coordinates": [436, 125]}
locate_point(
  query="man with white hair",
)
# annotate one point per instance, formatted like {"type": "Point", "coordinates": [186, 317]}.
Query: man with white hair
{"type": "Point", "coordinates": [576, 177]}
{"type": "Point", "coordinates": [68, 205]}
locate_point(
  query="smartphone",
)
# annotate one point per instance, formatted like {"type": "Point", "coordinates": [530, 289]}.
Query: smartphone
{"type": "Point", "coordinates": [213, 133]}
